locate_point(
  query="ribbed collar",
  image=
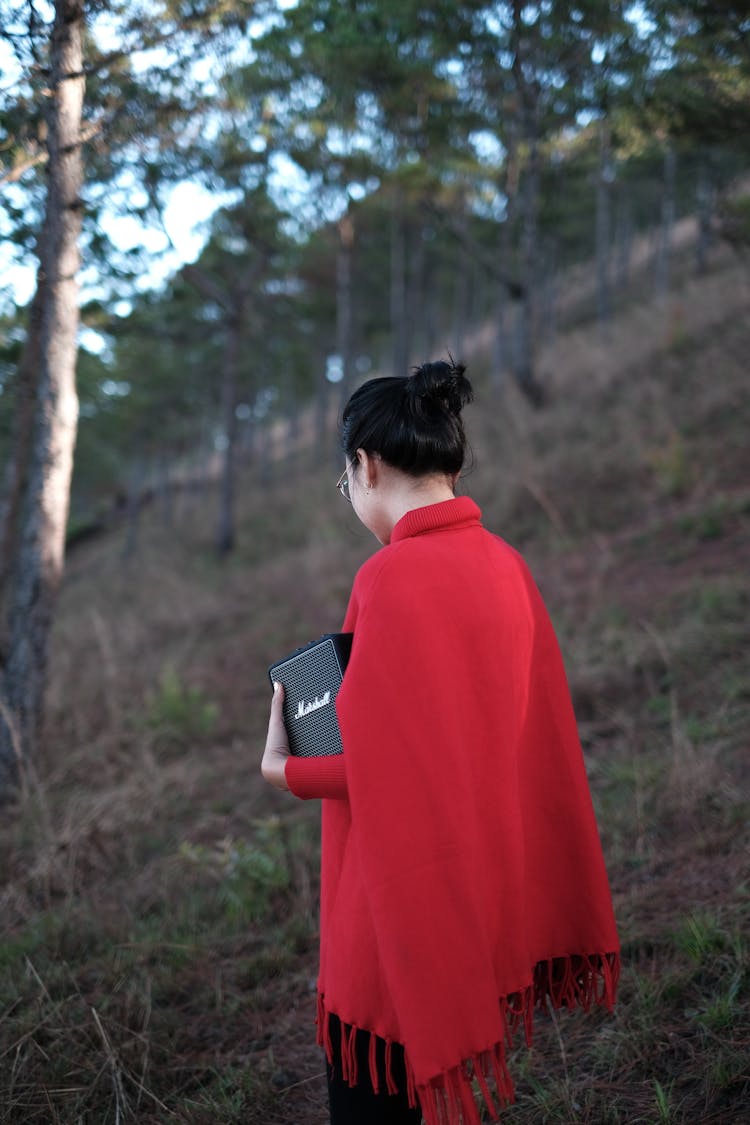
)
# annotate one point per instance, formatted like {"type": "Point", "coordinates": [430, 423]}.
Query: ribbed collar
{"type": "Point", "coordinates": [447, 515]}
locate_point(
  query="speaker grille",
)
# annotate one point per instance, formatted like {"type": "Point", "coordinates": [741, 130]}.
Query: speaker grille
{"type": "Point", "coordinates": [311, 679]}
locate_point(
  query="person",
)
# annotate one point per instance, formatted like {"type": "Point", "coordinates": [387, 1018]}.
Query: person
{"type": "Point", "coordinates": [462, 877]}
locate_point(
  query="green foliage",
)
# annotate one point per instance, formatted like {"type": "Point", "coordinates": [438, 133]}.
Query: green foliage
{"type": "Point", "coordinates": [231, 1095]}
{"type": "Point", "coordinates": [699, 936]}
{"type": "Point", "coordinates": [723, 1011]}
{"type": "Point", "coordinates": [91, 988]}
{"type": "Point", "coordinates": [671, 465]}
{"type": "Point", "coordinates": [735, 221]}
{"type": "Point", "coordinates": [391, 113]}
{"type": "Point", "coordinates": [178, 712]}
{"type": "Point", "coordinates": [662, 1097]}
{"type": "Point", "coordinates": [250, 874]}
{"type": "Point", "coordinates": [709, 525]}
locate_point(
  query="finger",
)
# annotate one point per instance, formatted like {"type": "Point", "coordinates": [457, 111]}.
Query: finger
{"type": "Point", "coordinates": [277, 708]}
{"type": "Point", "coordinates": [277, 738]}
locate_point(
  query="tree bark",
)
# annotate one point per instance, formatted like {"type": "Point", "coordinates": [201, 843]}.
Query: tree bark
{"type": "Point", "coordinates": [505, 253]}
{"type": "Point", "coordinates": [548, 302]}
{"type": "Point", "coordinates": [38, 563]}
{"type": "Point", "coordinates": [399, 330]}
{"type": "Point", "coordinates": [134, 506]}
{"type": "Point", "coordinates": [322, 411]}
{"type": "Point", "coordinates": [225, 535]}
{"type": "Point", "coordinates": [603, 227]}
{"type": "Point", "coordinates": [624, 244]}
{"type": "Point", "coordinates": [166, 489]}
{"type": "Point", "coordinates": [526, 322]}
{"type": "Point", "coordinates": [498, 337]}
{"type": "Point", "coordinates": [664, 249]}
{"type": "Point", "coordinates": [461, 283]}
{"type": "Point", "coordinates": [232, 298]}
{"type": "Point", "coordinates": [418, 352]}
{"type": "Point", "coordinates": [17, 467]}
{"type": "Point", "coordinates": [344, 303]}
{"type": "Point", "coordinates": [706, 203]}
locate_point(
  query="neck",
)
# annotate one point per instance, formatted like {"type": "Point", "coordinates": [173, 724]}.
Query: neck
{"type": "Point", "coordinates": [417, 494]}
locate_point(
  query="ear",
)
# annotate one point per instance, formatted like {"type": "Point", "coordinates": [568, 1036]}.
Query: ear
{"type": "Point", "coordinates": [370, 467]}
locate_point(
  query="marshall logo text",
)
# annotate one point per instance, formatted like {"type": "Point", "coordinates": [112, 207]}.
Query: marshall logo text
{"type": "Point", "coordinates": [319, 701]}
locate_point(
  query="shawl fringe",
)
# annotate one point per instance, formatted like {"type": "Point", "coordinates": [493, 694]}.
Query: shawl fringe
{"type": "Point", "coordinates": [577, 981]}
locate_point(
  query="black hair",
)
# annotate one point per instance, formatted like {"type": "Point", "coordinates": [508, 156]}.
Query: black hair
{"type": "Point", "coordinates": [413, 422]}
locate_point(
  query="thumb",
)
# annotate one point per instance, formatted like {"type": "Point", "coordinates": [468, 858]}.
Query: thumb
{"type": "Point", "coordinates": [277, 736]}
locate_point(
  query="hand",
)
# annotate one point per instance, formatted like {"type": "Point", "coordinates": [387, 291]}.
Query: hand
{"type": "Point", "coordinates": [277, 743]}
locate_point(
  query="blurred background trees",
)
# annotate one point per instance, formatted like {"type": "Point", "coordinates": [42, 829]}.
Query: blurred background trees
{"type": "Point", "coordinates": [385, 181]}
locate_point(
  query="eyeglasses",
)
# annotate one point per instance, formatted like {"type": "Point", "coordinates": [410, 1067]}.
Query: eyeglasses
{"type": "Point", "coordinates": [343, 482]}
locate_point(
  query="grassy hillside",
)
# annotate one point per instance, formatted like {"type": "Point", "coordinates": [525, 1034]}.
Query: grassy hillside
{"type": "Point", "coordinates": [158, 902]}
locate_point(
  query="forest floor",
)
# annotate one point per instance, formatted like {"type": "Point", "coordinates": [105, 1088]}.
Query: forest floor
{"type": "Point", "coordinates": [158, 901]}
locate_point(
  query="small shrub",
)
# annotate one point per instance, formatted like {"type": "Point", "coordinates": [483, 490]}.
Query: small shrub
{"type": "Point", "coordinates": [664, 1113]}
{"type": "Point", "coordinates": [723, 1011]}
{"type": "Point", "coordinates": [250, 873]}
{"type": "Point", "coordinates": [734, 222]}
{"type": "Point", "coordinates": [237, 1093]}
{"type": "Point", "coordinates": [699, 936]}
{"type": "Point", "coordinates": [671, 466]}
{"type": "Point", "coordinates": [177, 712]}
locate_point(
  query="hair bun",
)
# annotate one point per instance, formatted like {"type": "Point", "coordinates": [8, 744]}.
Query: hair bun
{"type": "Point", "coordinates": [441, 383]}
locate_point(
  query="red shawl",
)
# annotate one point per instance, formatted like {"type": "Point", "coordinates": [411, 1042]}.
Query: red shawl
{"type": "Point", "coordinates": [462, 875]}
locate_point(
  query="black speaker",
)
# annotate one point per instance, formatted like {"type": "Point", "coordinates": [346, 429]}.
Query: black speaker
{"type": "Point", "coordinates": [312, 677]}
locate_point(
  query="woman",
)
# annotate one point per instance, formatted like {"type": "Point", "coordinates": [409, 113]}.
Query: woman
{"type": "Point", "coordinates": [463, 883]}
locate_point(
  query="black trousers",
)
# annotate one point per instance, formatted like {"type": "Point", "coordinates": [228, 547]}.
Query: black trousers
{"type": "Point", "coordinates": [360, 1105]}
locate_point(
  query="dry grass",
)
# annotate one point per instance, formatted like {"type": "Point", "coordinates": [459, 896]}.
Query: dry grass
{"type": "Point", "coordinates": [158, 902]}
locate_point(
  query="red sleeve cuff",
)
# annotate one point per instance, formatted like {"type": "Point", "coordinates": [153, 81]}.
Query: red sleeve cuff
{"type": "Point", "coordinates": [310, 778]}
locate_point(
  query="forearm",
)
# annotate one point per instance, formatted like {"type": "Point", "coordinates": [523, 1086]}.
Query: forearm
{"type": "Point", "coordinates": [314, 778]}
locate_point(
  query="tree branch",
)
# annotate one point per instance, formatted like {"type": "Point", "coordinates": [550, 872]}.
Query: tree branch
{"type": "Point", "coordinates": [93, 129]}
{"type": "Point", "coordinates": [207, 286]}
{"type": "Point", "coordinates": [514, 287]}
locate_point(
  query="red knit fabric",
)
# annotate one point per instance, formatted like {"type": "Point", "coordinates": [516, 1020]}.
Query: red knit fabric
{"type": "Point", "coordinates": [463, 882]}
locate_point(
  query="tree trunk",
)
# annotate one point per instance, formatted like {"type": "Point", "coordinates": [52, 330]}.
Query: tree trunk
{"type": "Point", "coordinates": [664, 249]}
{"type": "Point", "coordinates": [418, 352]}
{"type": "Point", "coordinates": [225, 535]}
{"type": "Point", "coordinates": [603, 227]}
{"type": "Point", "coordinates": [431, 318]}
{"type": "Point", "coordinates": [624, 243]}
{"type": "Point", "coordinates": [322, 394]}
{"type": "Point", "coordinates": [398, 289]}
{"type": "Point", "coordinates": [706, 202]}
{"type": "Point", "coordinates": [265, 454]}
{"type": "Point", "coordinates": [505, 251]}
{"type": "Point", "coordinates": [292, 420]}
{"type": "Point", "coordinates": [526, 322]}
{"type": "Point", "coordinates": [548, 301]}
{"type": "Point", "coordinates": [166, 489]}
{"type": "Point", "coordinates": [38, 563]}
{"type": "Point", "coordinates": [232, 297]}
{"type": "Point", "coordinates": [498, 337]}
{"type": "Point", "coordinates": [17, 468]}
{"type": "Point", "coordinates": [134, 505]}
{"type": "Point", "coordinates": [462, 282]}
{"type": "Point", "coordinates": [292, 440]}
{"type": "Point", "coordinates": [344, 303]}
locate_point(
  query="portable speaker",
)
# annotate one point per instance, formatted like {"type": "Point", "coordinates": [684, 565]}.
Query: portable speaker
{"type": "Point", "coordinates": [312, 677]}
